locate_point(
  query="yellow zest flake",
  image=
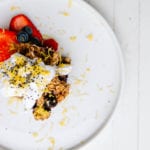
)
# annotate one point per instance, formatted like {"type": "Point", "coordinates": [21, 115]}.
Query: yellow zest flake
{"type": "Point", "coordinates": [20, 60]}
{"type": "Point", "coordinates": [69, 3]}
{"type": "Point", "coordinates": [46, 90]}
{"type": "Point", "coordinates": [78, 81]}
{"type": "Point", "coordinates": [73, 38]}
{"type": "Point", "coordinates": [14, 99]}
{"type": "Point", "coordinates": [90, 37]}
{"type": "Point", "coordinates": [14, 8]}
{"type": "Point", "coordinates": [12, 112]}
{"type": "Point", "coordinates": [112, 91]}
{"type": "Point", "coordinates": [63, 122]}
{"type": "Point", "coordinates": [39, 60]}
{"type": "Point", "coordinates": [17, 79]}
{"type": "Point", "coordinates": [100, 89]}
{"type": "Point", "coordinates": [40, 140]}
{"type": "Point", "coordinates": [83, 75]}
{"type": "Point", "coordinates": [64, 13]}
{"type": "Point", "coordinates": [52, 141]}
{"type": "Point", "coordinates": [40, 113]}
{"type": "Point", "coordinates": [38, 70]}
{"type": "Point", "coordinates": [74, 108]}
{"type": "Point", "coordinates": [45, 36]}
{"type": "Point", "coordinates": [43, 54]}
{"type": "Point", "coordinates": [65, 110]}
{"type": "Point", "coordinates": [35, 134]}
{"type": "Point", "coordinates": [62, 65]}
{"type": "Point", "coordinates": [79, 93]}
{"type": "Point", "coordinates": [39, 83]}
{"type": "Point", "coordinates": [88, 69]}
{"type": "Point", "coordinates": [47, 56]}
{"type": "Point", "coordinates": [22, 73]}
{"type": "Point", "coordinates": [61, 49]}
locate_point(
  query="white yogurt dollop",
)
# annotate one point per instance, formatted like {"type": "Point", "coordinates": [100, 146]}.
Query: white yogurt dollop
{"type": "Point", "coordinates": [64, 69]}
{"type": "Point", "coordinates": [26, 78]}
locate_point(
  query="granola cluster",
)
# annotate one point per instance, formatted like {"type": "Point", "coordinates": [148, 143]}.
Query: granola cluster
{"type": "Point", "coordinates": [57, 90]}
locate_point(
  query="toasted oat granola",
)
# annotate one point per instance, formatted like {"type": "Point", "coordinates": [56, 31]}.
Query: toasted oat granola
{"type": "Point", "coordinates": [47, 55]}
{"type": "Point", "coordinates": [57, 90]}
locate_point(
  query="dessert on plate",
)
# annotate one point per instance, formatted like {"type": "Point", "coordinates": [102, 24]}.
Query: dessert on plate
{"type": "Point", "coordinates": [32, 68]}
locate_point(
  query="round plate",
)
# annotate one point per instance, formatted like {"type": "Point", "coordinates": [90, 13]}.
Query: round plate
{"type": "Point", "coordinates": [96, 78]}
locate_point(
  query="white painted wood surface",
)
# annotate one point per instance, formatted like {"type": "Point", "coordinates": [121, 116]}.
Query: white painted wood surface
{"type": "Point", "coordinates": [129, 127]}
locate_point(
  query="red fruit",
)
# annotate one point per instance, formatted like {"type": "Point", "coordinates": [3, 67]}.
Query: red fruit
{"type": "Point", "coordinates": [20, 21]}
{"type": "Point", "coordinates": [51, 43]}
{"type": "Point", "coordinates": [3, 57]}
{"type": "Point", "coordinates": [7, 41]}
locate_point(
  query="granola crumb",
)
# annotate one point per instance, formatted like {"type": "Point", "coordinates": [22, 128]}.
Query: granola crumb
{"type": "Point", "coordinates": [40, 113]}
{"type": "Point", "coordinates": [60, 90]}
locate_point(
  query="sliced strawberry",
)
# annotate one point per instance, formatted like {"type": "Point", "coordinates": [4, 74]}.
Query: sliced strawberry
{"type": "Point", "coordinates": [7, 41]}
{"type": "Point", "coordinates": [51, 43]}
{"type": "Point", "coordinates": [3, 57]}
{"type": "Point", "coordinates": [20, 21]}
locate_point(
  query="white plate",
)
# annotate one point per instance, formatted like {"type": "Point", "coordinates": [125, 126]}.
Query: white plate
{"type": "Point", "coordinates": [96, 78]}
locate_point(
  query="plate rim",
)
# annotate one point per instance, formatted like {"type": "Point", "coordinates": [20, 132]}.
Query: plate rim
{"type": "Point", "coordinates": [121, 58]}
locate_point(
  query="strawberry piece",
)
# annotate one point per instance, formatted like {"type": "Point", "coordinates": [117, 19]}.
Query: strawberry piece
{"type": "Point", "coordinates": [20, 21]}
{"type": "Point", "coordinates": [7, 41]}
{"type": "Point", "coordinates": [51, 43]}
{"type": "Point", "coordinates": [3, 57]}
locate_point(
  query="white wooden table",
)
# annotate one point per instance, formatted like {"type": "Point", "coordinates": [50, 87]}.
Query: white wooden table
{"type": "Point", "coordinates": [129, 127]}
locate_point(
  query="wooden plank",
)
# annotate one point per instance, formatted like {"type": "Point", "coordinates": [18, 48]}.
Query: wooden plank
{"type": "Point", "coordinates": [104, 140]}
{"type": "Point", "coordinates": [105, 7]}
{"type": "Point", "coordinates": [123, 16]}
{"type": "Point", "coordinates": [144, 141]}
{"type": "Point", "coordinates": [125, 124]}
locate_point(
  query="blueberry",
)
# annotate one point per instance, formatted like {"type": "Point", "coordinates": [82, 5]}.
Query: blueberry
{"type": "Point", "coordinates": [36, 41]}
{"type": "Point", "coordinates": [35, 105]}
{"type": "Point", "coordinates": [22, 37]}
{"type": "Point", "coordinates": [28, 30]}
{"type": "Point", "coordinates": [50, 100]}
{"type": "Point", "coordinates": [53, 102]}
{"type": "Point", "coordinates": [47, 106]}
{"type": "Point", "coordinates": [63, 78]}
